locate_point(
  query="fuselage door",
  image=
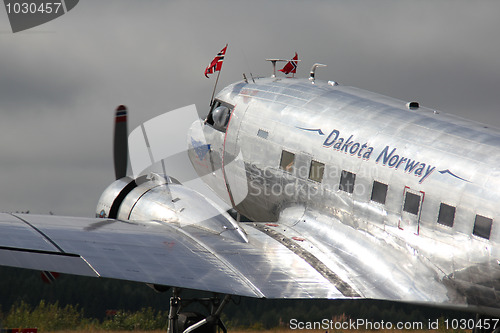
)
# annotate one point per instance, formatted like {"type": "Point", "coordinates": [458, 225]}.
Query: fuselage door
{"type": "Point", "coordinates": [411, 210]}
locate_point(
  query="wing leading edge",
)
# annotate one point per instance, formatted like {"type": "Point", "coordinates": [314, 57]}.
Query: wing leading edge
{"type": "Point", "coordinates": [161, 253]}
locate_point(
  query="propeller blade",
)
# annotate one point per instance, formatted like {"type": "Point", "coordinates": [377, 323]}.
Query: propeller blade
{"type": "Point", "coordinates": [120, 142]}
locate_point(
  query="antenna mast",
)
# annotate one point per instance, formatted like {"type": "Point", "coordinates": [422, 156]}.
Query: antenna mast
{"type": "Point", "coordinates": [274, 61]}
{"type": "Point", "coordinates": [215, 86]}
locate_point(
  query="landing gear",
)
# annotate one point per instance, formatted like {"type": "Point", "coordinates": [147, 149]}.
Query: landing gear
{"type": "Point", "coordinates": [194, 322]}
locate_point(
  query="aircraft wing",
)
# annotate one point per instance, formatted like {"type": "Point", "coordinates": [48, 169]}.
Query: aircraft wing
{"type": "Point", "coordinates": [299, 258]}
{"type": "Point", "coordinates": [163, 253]}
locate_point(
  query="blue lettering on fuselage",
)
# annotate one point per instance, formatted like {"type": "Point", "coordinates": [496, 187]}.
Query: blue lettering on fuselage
{"type": "Point", "coordinates": [393, 160]}
{"type": "Point", "coordinates": [389, 156]}
{"type": "Point", "coordinates": [349, 146]}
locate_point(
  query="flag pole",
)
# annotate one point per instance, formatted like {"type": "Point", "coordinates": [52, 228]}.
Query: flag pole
{"type": "Point", "coordinates": [215, 86]}
{"type": "Point", "coordinates": [218, 57]}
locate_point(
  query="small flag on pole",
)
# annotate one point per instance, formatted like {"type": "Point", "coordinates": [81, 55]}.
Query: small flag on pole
{"type": "Point", "coordinates": [291, 66]}
{"type": "Point", "coordinates": [216, 64]}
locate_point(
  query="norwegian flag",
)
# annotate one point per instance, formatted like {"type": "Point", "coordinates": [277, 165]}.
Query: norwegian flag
{"type": "Point", "coordinates": [216, 64]}
{"type": "Point", "coordinates": [291, 66]}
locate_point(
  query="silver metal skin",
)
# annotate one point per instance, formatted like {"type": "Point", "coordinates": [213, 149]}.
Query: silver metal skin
{"type": "Point", "coordinates": [379, 250]}
{"type": "Point", "coordinates": [353, 194]}
{"type": "Point", "coordinates": [109, 196]}
{"type": "Point", "coordinates": [194, 256]}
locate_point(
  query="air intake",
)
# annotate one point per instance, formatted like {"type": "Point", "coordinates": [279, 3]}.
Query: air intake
{"type": "Point", "coordinates": [412, 105]}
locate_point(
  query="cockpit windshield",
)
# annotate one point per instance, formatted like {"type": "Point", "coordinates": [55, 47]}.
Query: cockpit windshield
{"type": "Point", "coordinates": [219, 115]}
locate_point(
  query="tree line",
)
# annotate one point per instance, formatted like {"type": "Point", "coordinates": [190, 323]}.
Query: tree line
{"type": "Point", "coordinates": [83, 302]}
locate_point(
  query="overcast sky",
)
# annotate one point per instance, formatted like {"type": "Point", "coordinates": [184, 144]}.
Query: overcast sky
{"type": "Point", "coordinates": [60, 82]}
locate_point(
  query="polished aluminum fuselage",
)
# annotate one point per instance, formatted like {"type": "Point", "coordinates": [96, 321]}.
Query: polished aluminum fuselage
{"type": "Point", "coordinates": [384, 251]}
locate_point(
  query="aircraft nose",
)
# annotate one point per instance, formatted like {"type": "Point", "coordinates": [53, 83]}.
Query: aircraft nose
{"type": "Point", "coordinates": [199, 149]}
{"type": "Point", "coordinates": [196, 139]}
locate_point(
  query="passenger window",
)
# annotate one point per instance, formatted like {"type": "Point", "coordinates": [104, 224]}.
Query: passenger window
{"type": "Point", "coordinates": [412, 203]}
{"type": "Point", "coordinates": [287, 161]}
{"type": "Point", "coordinates": [316, 171]}
{"type": "Point", "coordinates": [379, 192]}
{"type": "Point", "coordinates": [446, 215]}
{"type": "Point", "coordinates": [482, 226]}
{"type": "Point", "coordinates": [347, 180]}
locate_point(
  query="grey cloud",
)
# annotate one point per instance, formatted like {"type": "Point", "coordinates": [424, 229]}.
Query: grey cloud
{"type": "Point", "coordinates": [61, 81]}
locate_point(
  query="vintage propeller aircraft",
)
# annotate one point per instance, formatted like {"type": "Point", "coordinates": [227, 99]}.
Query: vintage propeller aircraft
{"type": "Point", "coordinates": [353, 195]}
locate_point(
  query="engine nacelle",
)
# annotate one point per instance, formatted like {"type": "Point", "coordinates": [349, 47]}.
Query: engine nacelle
{"type": "Point", "coordinates": [157, 198]}
{"type": "Point", "coordinates": [112, 197]}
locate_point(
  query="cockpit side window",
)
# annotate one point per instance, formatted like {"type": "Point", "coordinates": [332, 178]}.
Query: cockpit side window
{"type": "Point", "coordinates": [219, 115]}
{"type": "Point", "coordinates": [209, 119]}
